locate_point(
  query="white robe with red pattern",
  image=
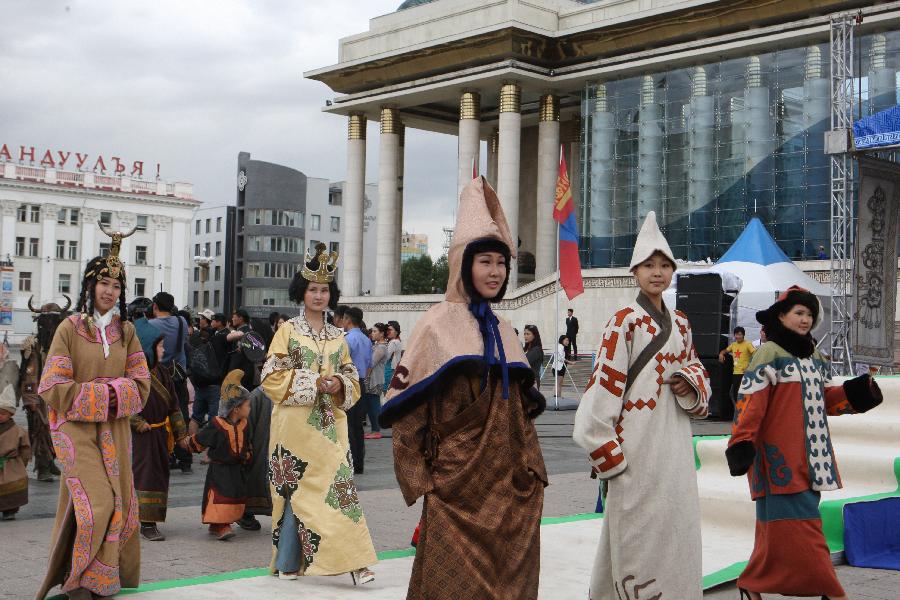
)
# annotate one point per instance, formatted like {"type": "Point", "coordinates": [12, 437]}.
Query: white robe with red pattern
{"type": "Point", "coordinates": [638, 437]}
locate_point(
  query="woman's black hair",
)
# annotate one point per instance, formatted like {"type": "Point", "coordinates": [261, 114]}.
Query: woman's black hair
{"type": "Point", "coordinates": [297, 289]}
{"type": "Point", "coordinates": [536, 342]}
{"type": "Point", "coordinates": [563, 337]}
{"type": "Point", "coordinates": [151, 357]}
{"type": "Point", "coordinates": [395, 326]}
{"type": "Point", "coordinates": [382, 328]}
{"type": "Point", "coordinates": [477, 247]}
{"type": "Point", "coordinates": [89, 284]}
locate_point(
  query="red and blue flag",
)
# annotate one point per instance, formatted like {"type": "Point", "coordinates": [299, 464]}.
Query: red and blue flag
{"type": "Point", "coordinates": [564, 214]}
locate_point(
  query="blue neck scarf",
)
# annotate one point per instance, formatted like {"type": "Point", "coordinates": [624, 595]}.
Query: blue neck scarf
{"type": "Point", "coordinates": [489, 325]}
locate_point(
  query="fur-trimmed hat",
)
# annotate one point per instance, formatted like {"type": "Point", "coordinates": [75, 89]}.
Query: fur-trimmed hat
{"type": "Point", "coordinates": [649, 241]}
{"type": "Point", "coordinates": [233, 394]}
{"type": "Point", "coordinates": [8, 400]}
{"type": "Point", "coordinates": [787, 299]}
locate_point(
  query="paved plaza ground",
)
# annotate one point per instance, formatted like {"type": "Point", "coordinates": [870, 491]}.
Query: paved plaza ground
{"type": "Point", "coordinates": [189, 552]}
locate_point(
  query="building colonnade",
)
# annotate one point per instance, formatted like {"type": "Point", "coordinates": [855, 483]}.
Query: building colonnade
{"type": "Point", "coordinates": [504, 160]}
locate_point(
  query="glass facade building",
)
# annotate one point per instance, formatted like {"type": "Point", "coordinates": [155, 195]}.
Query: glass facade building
{"type": "Point", "coordinates": [712, 145]}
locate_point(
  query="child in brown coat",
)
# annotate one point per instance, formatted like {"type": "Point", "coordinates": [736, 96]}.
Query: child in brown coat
{"type": "Point", "coordinates": [15, 452]}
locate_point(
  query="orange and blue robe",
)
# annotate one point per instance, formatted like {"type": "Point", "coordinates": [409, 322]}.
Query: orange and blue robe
{"type": "Point", "coordinates": [780, 439]}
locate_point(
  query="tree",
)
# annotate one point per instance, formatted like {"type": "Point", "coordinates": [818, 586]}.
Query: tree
{"type": "Point", "coordinates": [440, 274]}
{"type": "Point", "coordinates": [415, 275]}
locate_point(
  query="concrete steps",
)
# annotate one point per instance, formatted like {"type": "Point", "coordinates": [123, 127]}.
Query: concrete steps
{"type": "Point", "coordinates": [866, 448]}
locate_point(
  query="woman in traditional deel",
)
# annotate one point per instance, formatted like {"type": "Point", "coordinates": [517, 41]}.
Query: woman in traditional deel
{"type": "Point", "coordinates": [461, 404]}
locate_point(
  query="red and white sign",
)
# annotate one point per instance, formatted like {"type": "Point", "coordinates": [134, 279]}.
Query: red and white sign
{"type": "Point", "coordinates": [59, 159]}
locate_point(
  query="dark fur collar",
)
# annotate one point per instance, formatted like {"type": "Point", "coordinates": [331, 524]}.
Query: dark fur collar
{"type": "Point", "coordinates": [801, 346]}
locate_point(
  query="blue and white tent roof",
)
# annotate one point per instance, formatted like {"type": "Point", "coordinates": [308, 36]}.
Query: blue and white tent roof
{"type": "Point", "coordinates": [762, 266]}
{"type": "Point", "coordinates": [755, 245]}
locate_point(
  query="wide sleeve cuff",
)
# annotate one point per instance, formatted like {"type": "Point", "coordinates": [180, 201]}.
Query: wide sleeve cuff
{"type": "Point", "coordinates": [276, 362]}
{"type": "Point", "coordinates": [698, 404]}
{"type": "Point", "coordinates": [608, 460]}
{"type": "Point", "coordinates": [740, 456]}
{"type": "Point", "coordinates": [860, 395]}
{"type": "Point", "coordinates": [349, 376]}
{"type": "Point", "coordinates": [128, 398]}
{"type": "Point", "coordinates": [302, 390]}
{"type": "Point", "coordinates": [348, 398]}
{"type": "Point", "coordinates": [91, 403]}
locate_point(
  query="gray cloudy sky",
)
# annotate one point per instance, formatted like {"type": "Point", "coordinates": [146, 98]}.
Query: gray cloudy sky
{"type": "Point", "coordinates": [190, 84]}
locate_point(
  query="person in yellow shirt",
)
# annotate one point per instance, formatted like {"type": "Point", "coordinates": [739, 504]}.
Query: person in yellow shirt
{"type": "Point", "coordinates": [740, 350]}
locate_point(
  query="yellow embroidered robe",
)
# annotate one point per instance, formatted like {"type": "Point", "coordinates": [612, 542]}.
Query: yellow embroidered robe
{"type": "Point", "coordinates": [93, 544]}
{"type": "Point", "coordinates": [309, 451]}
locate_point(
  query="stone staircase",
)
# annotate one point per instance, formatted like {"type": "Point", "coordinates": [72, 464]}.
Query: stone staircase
{"type": "Point", "coordinates": [867, 456]}
{"type": "Point", "coordinates": [580, 371]}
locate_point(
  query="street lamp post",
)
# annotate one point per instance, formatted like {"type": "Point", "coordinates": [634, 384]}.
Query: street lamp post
{"type": "Point", "coordinates": [203, 263]}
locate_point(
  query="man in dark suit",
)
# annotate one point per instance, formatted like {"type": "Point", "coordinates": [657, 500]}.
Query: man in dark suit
{"type": "Point", "coordinates": [572, 332]}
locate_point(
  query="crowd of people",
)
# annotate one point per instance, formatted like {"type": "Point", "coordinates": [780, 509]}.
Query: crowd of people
{"type": "Point", "coordinates": [132, 391]}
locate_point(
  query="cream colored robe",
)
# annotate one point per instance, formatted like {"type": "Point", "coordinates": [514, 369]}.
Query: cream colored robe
{"type": "Point", "coordinates": [638, 436]}
{"type": "Point", "coordinates": [309, 452]}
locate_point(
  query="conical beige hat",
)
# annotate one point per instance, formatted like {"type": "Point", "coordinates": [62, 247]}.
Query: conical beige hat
{"type": "Point", "coordinates": [650, 240]}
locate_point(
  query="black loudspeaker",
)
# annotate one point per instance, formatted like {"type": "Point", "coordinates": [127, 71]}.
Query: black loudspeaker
{"type": "Point", "coordinates": [706, 322]}
{"type": "Point", "coordinates": [708, 345]}
{"type": "Point", "coordinates": [703, 302]}
{"type": "Point", "coordinates": [720, 406]}
{"type": "Point", "coordinates": [708, 309]}
{"type": "Point", "coordinates": [705, 283]}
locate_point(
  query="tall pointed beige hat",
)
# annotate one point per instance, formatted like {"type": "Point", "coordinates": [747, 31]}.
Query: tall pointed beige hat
{"type": "Point", "coordinates": [650, 240]}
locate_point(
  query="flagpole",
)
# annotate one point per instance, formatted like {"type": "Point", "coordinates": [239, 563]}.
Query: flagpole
{"type": "Point", "coordinates": [556, 318]}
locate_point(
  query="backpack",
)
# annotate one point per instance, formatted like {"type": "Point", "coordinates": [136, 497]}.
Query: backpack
{"type": "Point", "coordinates": [205, 367]}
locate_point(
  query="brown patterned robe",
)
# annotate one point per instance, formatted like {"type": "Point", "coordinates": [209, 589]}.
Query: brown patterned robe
{"type": "Point", "coordinates": [94, 545]}
{"type": "Point", "coordinates": [475, 458]}
{"type": "Point", "coordinates": [14, 456]}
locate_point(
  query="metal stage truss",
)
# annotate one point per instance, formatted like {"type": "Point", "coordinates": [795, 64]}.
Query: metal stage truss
{"type": "Point", "coordinates": [838, 145]}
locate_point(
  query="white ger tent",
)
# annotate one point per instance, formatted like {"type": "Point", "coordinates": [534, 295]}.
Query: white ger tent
{"type": "Point", "coordinates": [764, 271]}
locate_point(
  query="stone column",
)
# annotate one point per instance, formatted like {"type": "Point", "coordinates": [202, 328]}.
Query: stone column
{"type": "Point", "coordinates": [816, 120]}
{"type": "Point", "coordinates": [603, 168]}
{"type": "Point", "coordinates": [493, 145]}
{"type": "Point", "coordinates": [508, 164]}
{"type": "Point", "coordinates": [759, 141]}
{"type": "Point", "coordinates": [650, 156]}
{"type": "Point", "coordinates": [160, 256]}
{"type": "Point", "coordinates": [354, 204]}
{"type": "Point", "coordinates": [548, 170]}
{"type": "Point", "coordinates": [89, 244]}
{"type": "Point", "coordinates": [8, 229]}
{"type": "Point", "coordinates": [49, 268]}
{"type": "Point", "coordinates": [386, 281]}
{"type": "Point", "coordinates": [701, 189]}
{"type": "Point", "coordinates": [469, 140]}
{"type": "Point", "coordinates": [882, 79]}
{"type": "Point", "coordinates": [401, 157]}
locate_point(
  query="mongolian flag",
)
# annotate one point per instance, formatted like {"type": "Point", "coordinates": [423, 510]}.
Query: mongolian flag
{"type": "Point", "coordinates": [564, 214]}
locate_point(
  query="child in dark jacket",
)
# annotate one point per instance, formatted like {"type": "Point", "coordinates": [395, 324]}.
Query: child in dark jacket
{"type": "Point", "coordinates": [227, 443]}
